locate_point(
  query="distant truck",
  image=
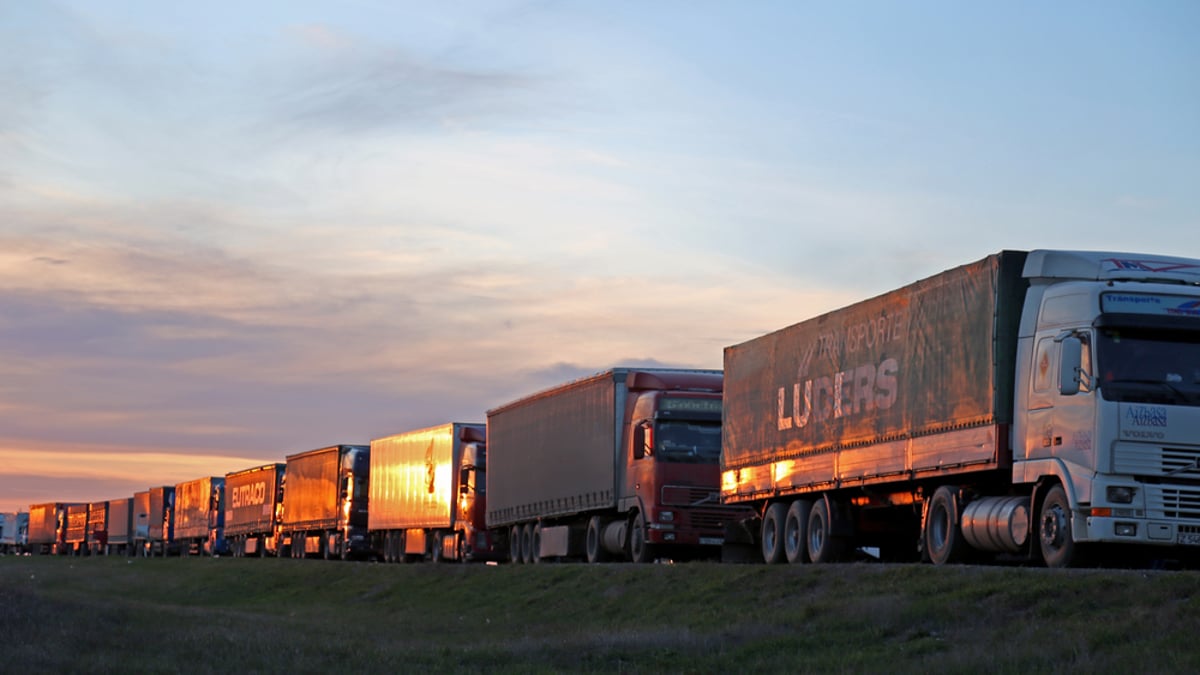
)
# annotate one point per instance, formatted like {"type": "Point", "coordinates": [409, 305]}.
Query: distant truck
{"type": "Point", "coordinates": [120, 526]}
{"type": "Point", "coordinates": [48, 528]}
{"type": "Point", "coordinates": [325, 503]}
{"type": "Point", "coordinates": [14, 533]}
{"type": "Point", "coordinates": [1037, 406]}
{"type": "Point", "coordinates": [622, 464]}
{"type": "Point", "coordinates": [97, 528]}
{"type": "Point", "coordinates": [76, 538]}
{"type": "Point", "coordinates": [141, 524]}
{"type": "Point", "coordinates": [253, 507]}
{"type": "Point", "coordinates": [200, 516]}
{"type": "Point", "coordinates": [428, 495]}
{"type": "Point", "coordinates": [154, 522]}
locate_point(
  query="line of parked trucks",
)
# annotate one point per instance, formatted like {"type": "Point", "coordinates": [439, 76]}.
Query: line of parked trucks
{"type": "Point", "coordinates": [1041, 407]}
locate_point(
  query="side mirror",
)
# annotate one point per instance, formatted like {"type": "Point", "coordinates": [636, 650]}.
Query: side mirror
{"type": "Point", "coordinates": [464, 475]}
{"type": "Point", "coordinates": [643, 441]}
{"type": "Point", "coordinates": [1070, 371]}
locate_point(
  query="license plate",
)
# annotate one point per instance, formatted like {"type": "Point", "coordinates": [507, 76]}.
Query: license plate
{"type": "Point", "coordinates": [717, 541]}
{"type": "Point", "coordinates": [1187, 539]}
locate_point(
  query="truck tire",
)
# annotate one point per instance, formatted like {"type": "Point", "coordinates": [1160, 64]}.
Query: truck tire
{"type": "Point", "coordinates": [535, 555]}
{"type": "Point", "coordinates": [640, 550]}
{"type": "Point", "coordinates": [772, 533]}
{"type": "Point", "coordinates": [1054, 530]}
{"type": "Point", "coordinates": [596, 553]}
{"type": "Point", "coordinates": [823, 547]}
{"type": "Point", "coordinates": [943, 530]}
{"type": "Point", "coordinates": [527, 551]}
{"type": "Point", "coordinates": [435, 548]}
{"type": "Point", "coordinates": [514, 545]}
{"type": "Point", "coordinates": [391, 546]}
{"type": "Point", "coordinates": [795, 531]}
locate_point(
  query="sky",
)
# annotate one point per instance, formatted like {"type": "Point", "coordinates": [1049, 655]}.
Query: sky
{"type": "Point", "coordinates": [234, 231]}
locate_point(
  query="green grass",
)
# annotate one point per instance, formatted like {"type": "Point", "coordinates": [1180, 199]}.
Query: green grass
{"type": "Point", "coordinates": [206, 615]}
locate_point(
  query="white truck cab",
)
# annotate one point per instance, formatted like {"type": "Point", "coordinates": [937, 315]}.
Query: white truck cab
{"type": "Point", "coordinates": [1107, 400]}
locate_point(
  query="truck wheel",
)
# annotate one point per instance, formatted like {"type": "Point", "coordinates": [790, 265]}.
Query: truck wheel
{"type": "Point", "coordinates": [795, 531]}
{"type": "Point", "coordinates": [1054, 530]}
{"type": "Point", "coordinates": [535, 553]}
{"type": "Point", "coordinates": [823, 547]}
{"type": "Point", "coordinates": [435, 547]}
{"type": "Point", "coordinates": [527, 553]}
{"type": "Point", "coordinates": [596, 552]}
{"type": "Point", "coordinates": [640, 550]}
{"type": "Point", "coordinates": [943, 531]}
{"type": "Point", "coordinates": [772, 533]}
{"type": "Point", "coordinates": [391, 544]}
{"type": "Point", "coordinates": [514, 545]}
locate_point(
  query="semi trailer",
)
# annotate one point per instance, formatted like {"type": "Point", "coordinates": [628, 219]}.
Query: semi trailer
{"type": "Point", "coordinates": [428, 495]}
{"type": "Point", "coordinates": [48, 528]}
{"type": "Point", "coordinates": [1038, 406]}
{"type": "Point", "coordinates": [120, 527]}
{"type": "Point", "coordinates": [97, 528]}
{"type": "Point", "coordinates": [623, 464]}
{"type": "Point", "coordinates": [325, 503]}
{"type": "Point", "coordinates": [14, 532]}
{"type": "Point", "coordinates": [76, 537]}
{"type": "Point", "coordinates": [253, 507]}
{"type": "Point", "coordinates": [158, 520]}
{"type": "Point", "coordinates": [200, 516]}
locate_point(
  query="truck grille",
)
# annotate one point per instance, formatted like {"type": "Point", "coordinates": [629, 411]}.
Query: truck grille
{"type": "Point", "coordinates": [686, 495]}
{"type": "Point", "coordinates": [1176, 459]}
{"type": "Point", "coordinates": [1154, 460]}
{"type": "Point", "coordinates": [714, 520]}
{"type": "Point", "coordinates": [1172, 502]}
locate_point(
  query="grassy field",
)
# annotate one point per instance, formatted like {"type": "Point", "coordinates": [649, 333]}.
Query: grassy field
{"type": "Point", "coordinates": [211, 615]}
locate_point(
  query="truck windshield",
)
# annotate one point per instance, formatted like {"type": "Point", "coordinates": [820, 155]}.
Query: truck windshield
{"type": "Point", "coordinates": [679, 441]}
{"type": "Point", "coordinates": [1149, 366]}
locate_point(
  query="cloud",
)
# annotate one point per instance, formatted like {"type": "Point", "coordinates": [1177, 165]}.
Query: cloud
{"type": "Point", "coordinates": [326, 336]}
{"type": "Point", "coordinates": [347, 85]}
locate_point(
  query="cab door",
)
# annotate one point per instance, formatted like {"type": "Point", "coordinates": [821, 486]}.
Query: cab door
{"type": "Point", "coordinates": [1061, 425]}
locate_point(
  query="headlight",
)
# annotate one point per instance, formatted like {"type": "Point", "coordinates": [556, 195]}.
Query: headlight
{"type": "Point", "coordinates": [666, 516]}
{"type": "Point", "coordinates": [1120, 494]}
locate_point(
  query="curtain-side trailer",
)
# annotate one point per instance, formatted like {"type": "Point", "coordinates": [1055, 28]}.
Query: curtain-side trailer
{"type": "Point", "coordinates": [120, 526]}
{"type": "Point", "coordinates": [1033, 405]}
{"type": "Point", "coordinates": [253, 506]}
{"type": "Point", "coordinates": [620, 464]}
{"type": "Point", "coordinates": [14, 532]}
{"type": "Point", "coordinates": [76, 537]}
{"type": "Point", "coordinates": [160, 522]}
{"type": "Point", "coordinates": [428, 497]}
{"type": "Point", "coordinates": [97, 528]}
{"type": "Point", "coordinates": [200, 516]}
{"type": "Point", "coordinates": [325, 503]}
